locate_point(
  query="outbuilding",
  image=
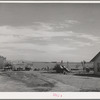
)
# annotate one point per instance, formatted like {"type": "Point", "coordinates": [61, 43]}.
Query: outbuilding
{"type": "Point", "coordinates": [96, 64]}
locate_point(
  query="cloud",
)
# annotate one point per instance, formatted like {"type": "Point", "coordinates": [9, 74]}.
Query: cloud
{"type": "Point", "coordinates": [54, 26]}
{"type": "Point", "coordinates": [40, 33]}
{"type": "Point", "coordinates": [78, 43]}
{"type": "Point", "coordinates": [38, 29]}
{"type": "Point", "coordinates": [42, 26]}
{"type": "Point", "coordinates": [15, 48]}
{"type": "Point", "coordinates": [18, 34]}
{"type": "Point", "coordinates": [82, 44]}
{"type": "Point", "coordinates": [43, 38]}
{"type": "Point", "coordinates": [89, 37]}
{"type": "Point", "coordinates": [58, 48]}
{"type": "Point", "coordinates": [30, 31]}
{"type": "Point", "coordinates": [72, 21]}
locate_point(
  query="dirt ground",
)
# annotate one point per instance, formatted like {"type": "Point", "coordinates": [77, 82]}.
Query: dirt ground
{"type": "Point", "coordinates": [35, 81]}
{"type": "Point", "coordinates": [80, 83]}
{"type": "Point", "coordinates": [9, 85]}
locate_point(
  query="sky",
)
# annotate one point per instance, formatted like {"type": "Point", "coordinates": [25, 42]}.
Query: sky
{"type": "Point", "coordinates": [49, 32]}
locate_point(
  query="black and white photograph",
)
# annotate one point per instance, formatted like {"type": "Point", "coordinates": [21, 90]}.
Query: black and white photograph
{"type": "Point", "coordinates": [50, 47]}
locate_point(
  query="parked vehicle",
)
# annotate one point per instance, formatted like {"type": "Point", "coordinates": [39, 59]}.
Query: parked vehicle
{"type": "Point", "coordinates": [27, 68]}
{"type": "Point", "coordinates": [20, 69]}
{"type": "Point", "coordinates": [8, 66]}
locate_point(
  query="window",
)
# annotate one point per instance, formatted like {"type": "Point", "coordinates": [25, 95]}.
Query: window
{"type": "Point", "coordinates": [98, 67]}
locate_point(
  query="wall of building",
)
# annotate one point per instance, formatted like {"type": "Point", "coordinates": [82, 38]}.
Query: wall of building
{"type": "Point", "coordinates": [97, 66]}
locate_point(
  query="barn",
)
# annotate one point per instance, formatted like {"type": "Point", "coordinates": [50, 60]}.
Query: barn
{"type": "Point", "coordinates": [2, 61]}
{"type": "Point", "coordinates": [96, 64]}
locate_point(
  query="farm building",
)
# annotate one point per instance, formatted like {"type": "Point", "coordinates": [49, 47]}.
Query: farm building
{"type": "Point", "coordinates": [96, 64]}
{"type": "Point", "coordinates": [2, 61]}
{"type": "Point", "coordinates": [21, 66]}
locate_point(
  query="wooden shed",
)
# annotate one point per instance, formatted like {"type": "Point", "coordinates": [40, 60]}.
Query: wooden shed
{"type": "Point", "coordinates": [96, 64]}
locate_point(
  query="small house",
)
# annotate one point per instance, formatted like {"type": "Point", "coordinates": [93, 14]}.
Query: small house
{"type": "Point", "coordinates": [96, 64]}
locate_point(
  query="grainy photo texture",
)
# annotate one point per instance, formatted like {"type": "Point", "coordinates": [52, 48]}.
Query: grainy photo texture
{"type": "Point", "coordinates": [49, 47]}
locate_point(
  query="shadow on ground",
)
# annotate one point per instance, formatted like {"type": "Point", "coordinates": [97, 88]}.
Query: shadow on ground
{"type": "Point", "coordinates": [88, 75]}
{"type": "Point", "coordinates": [50, 72]}
{"type": "Point", "coordinates": [90, 90]}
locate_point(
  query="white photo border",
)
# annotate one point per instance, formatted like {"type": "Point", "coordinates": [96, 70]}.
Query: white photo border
{"type": "Point", "coordinates": [49, 95]}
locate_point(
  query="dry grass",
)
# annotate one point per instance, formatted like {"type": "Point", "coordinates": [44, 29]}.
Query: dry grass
{"type": "Point", "coordinates": [31, 80]}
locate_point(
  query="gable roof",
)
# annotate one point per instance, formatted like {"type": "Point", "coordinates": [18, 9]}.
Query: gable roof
{"type": "Point", "coordinates": [93, 59]}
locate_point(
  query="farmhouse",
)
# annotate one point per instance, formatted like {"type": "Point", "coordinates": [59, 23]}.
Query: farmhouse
{"type": "Point", "coordinates": [2, 61]}
{"type": "Point", "coordinates": [96, 64]}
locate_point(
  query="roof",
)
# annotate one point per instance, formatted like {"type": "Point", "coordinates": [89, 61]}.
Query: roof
{"type": "Point", "coordinates": [93, 59]}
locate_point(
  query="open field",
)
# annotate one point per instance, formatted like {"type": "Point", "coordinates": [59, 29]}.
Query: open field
{"type": "Point", "coordinates": [40, 81]}
{"type": "Point", "coordinates": [31, 81]}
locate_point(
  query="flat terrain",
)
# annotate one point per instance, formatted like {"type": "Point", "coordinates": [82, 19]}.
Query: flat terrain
{"type": "Point", "coordinates": [80, 83]}
{"type": "Point", "coordinates": [9, 85]}
{"type": "Point", "coordinates": [36, 81]}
